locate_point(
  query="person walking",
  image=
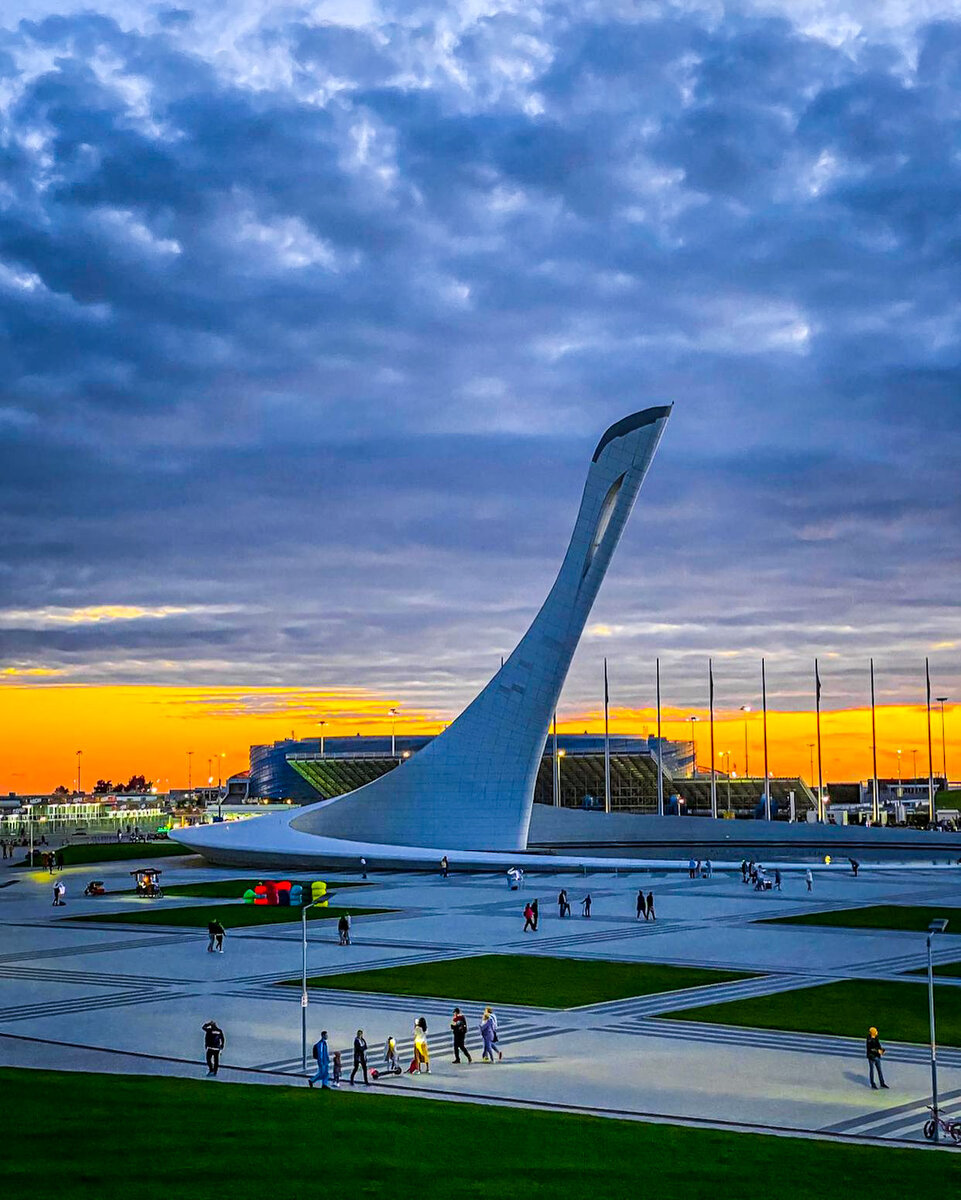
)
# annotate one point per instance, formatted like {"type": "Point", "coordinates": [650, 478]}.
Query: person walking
{"type": "Point", "coordinates": [363, 868]}
{"type": "Point", "coordinates": [215, 936]}
{"type": "Point", "coordinates": [536, 913]}
{"type": "Point", "coordinates": [854, 866]}
{"type": "Point", "coordinates": [874, 1050]}
{"type": "Point", "coordinates": [586, 905]}
{"type": "Point", "coordinates": [649, 916]}
{"type": "Point", "coordinates": [528, 917]}
{"type": "Point", "coordinates": [343, 928]}
{"type": "Point", "coordinates": [641, 905]}
{"type": "Point", "coordinates": [338, 1069]}
{"type": "Point", "coordinates": [809, 879]}
{"type": "Point", "coordinates": [709, 869]}
{"type": "Point", "coordinates": [743, 870]}
{"type": "Point", "coordinates": [488, 1032]}
{"type": "Point", "coordinates": [322, 1057]}
{"type": "Point", "coordinates": [444, 867]}
{"type": "Point", "coordinates": [421, 1057]}
{"type": "Point", "coordinates": [214, 1042]}
{"type": "Point", "coordinates": [360, 1057]}
{"type": "Point", "coordinates": [691, 869]}
{"type": "Point", "coordinates": [458, 1027]}
{"type": "Point", "coordinates": [58, 858]}
{"type": "Point", "coordinates": [777, 879]}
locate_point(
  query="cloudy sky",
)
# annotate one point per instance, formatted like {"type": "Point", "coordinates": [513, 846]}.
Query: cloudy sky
{"type": "Point", "coordinates": [311, 316]}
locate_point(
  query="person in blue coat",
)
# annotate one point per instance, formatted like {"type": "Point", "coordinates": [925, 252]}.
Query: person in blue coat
{"type": "Point", "coordinates": [322, 1055]}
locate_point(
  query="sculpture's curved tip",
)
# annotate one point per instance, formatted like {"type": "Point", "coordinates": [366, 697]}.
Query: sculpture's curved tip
{"type": "Point", "coordinates": [625, 425]}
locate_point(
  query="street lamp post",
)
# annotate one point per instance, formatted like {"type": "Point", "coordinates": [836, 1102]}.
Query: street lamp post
{"type": "Point", "coordinates": [303, 992]}
{"type": "Point", "coordinates": [694, 721]}
{"type": "Point", "coordinates": [938, 926]}
{"type": "Point", "coordinates": [944, 745]}
{"type": "Point", "coordinates": [746, 708]}
{"type": "Point", "coordinates": [393, 725]}
{"type": "Point", "coordinates": [321, 724]}
{"type": "Point", "coordinates": [80, 756]}
{"type": "Point", "coordinates": [560, 754]}
{"type": "Point", "coordinates": [900, 786]}
{"type": "Point", "coordinates": [190, 785]}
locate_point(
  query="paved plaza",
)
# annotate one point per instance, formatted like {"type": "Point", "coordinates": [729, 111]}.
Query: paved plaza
{"type": "Point", "coordinates": [132, 998]}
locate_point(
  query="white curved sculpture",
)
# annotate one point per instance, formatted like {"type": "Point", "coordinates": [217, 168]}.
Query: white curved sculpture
{"type": "Point", "coordinates": [472, 787]}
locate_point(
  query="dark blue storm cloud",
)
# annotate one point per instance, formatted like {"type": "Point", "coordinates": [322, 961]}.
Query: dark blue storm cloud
{"type": "Point", "coordinates": [310, 319]}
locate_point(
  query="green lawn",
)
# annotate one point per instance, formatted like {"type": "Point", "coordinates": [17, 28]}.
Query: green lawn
{"type": "Point", "coordinates": [204, 1140]}
{"type": "Point", "coordinates": [524, 979]}
{"type": "Point", "coordinates": [233, 889]}
{"type": "Point", "coordinates": [879, 916]}
{"type": "Point", "coordinates": [231, 916]}
{"type": "Point", "coordinates": [848, 1009]}
{"type": "Point", "coordinates": [95, 852]}
{"type": "Point", "coordinates": [944, 969]}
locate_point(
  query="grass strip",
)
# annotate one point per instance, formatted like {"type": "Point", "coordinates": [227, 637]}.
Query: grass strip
{"type": "Point", "coordinates": [233, 889]}
{"type": "Point", "coordinates": [911, 918]}
{"type": "Point", "coordinates": [206, 1140]}
{"type": "Point", "coordinates": [78, 853]}
{"type": "Point", "coordinates": [231, 916]}
{"type": "Point", "coordinates": [845, 1009]}
{"type": "Point", "coordinates": [525, 979]}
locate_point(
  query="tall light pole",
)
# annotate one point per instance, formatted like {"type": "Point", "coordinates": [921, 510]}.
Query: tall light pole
{"type": "Point", "coordinates": [190, 785]}
{"type": "Point", "coordinates": [694, 721]}
{"type": "Point", "coordinates": [811, 749]}
{"type": "Point", "coordinates": [79, 757]}
{"type": "Point", "coordinates": [876, 804]}
{"type": "Point", "coordinates": [303, 992]}
{"type": "Point", "coordinates": [660, 757]}
{"type": "Point", "coordinates": [944, 745]}
{"type": "Point", "coordinates": [931, 804]}
{"type": "Point", "coordinates": [817, 706]}
{"type": "Point", "coordinates": [937, 926]}
{"type": "Point", "coordinates": [560, 754]}
{"type": "Point", "coordinates": [393, 725]}
{"type": "Point", "coordinates": [710, 669]}
{"type": "Point", "coordinates": [915, 768]}
{"type": "Point", "coordinates": [321, 724]}
{"type": "Point", "coordinates": [767, 772]}
{"type": "Point", "coordinates": [607, 744]}
{"type": "Point", "coordinates": [900, 788]}
{"type": "Point", "coordinates": [746, 708]}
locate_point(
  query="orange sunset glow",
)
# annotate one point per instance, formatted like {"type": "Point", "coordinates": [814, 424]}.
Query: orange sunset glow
{"type": "Point", "coordinates": [124, 730]}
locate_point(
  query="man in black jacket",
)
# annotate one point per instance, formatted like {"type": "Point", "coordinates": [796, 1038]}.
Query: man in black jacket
{"type": "Point", "coordinates": [874, 1052]}
{"type": "Point", "coordinates": [360, 1056]}
{"type": "Point", "coordinates": [458, 1026]}
{"type": "Point", "coordinates": [214, 1042]}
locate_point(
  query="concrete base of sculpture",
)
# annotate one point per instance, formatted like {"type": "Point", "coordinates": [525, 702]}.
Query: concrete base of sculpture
{"type": "Point", "coordinates": [571, 840]}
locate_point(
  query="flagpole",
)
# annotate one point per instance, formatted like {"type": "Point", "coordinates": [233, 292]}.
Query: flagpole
{"type": "Point", "coordinates": [932, 816]}
{"type": "Point", "coordinates": [660, 753]}
{"type": "Point", "coordinates": [817, 692]}
{"type": "Point", "coordinates": [556, 767]}
{"type": "Point", "coordinates": [607, 746]}
{"type": "Point", "coordinates": [767, 773]}
{"type": "Point", "coordinates": [875, 804]}
{"type": "Point", "coordinates": [710, 670]}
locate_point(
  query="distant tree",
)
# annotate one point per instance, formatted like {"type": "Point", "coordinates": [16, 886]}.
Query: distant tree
{"type": "Point", "coordinates": [102, 786]}
{"type": "Point", "coordinates": [60, 790]}
{"type": "Point", "coordinates": [136, 783]}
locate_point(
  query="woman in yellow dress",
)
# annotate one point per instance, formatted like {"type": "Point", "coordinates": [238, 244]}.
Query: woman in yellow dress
{"type": "Point", "coordinates": [421, 1057]}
